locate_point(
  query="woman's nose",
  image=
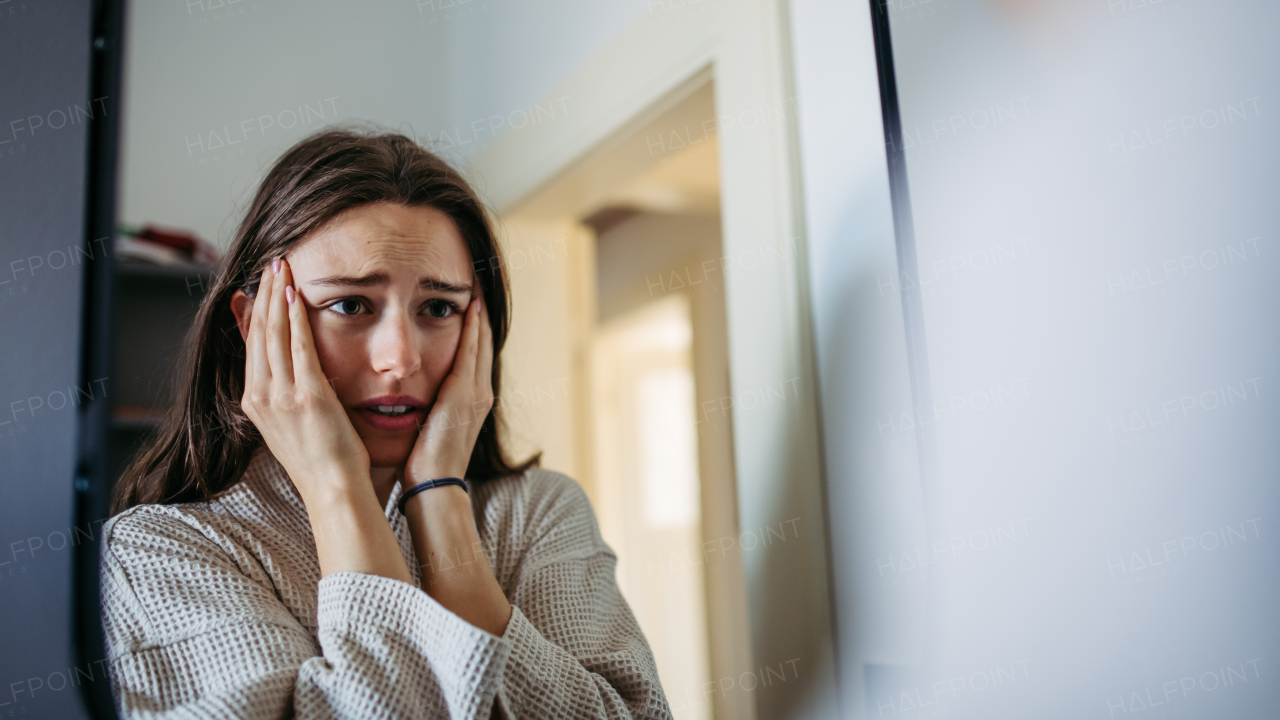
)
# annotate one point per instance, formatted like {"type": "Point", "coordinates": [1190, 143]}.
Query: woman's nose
{"type": "Point", "coordinates": [395, 350]}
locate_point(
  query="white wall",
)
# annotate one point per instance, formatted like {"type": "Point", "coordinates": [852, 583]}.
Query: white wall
{"type": "Point", "coordinates": [515, 54]}
{"type": "Point", "coordinates": [456, 74]}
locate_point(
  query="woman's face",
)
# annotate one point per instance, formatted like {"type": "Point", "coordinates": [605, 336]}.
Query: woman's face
{"type": "Point", "coordinates": [386, 288]}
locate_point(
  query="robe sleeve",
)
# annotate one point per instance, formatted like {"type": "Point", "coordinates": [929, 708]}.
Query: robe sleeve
{"type": "Point", "coordinates": [195, 629]}
{"type": "Point", "coordinates": [576, 648]}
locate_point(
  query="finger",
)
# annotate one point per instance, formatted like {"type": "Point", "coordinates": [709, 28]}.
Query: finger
{"type": "Point", "coordinates": [484, 367]}
{"type": "Point", "coordinates": [256, 344]}
{"type": "Point", "coordinates": [484, 357]}
{"type": "Point", "coordinates": [464, 363]}
{"type": "Point", "coordinates": [278, 329]}
{"type": "Point", "coordinates": [308, 375]}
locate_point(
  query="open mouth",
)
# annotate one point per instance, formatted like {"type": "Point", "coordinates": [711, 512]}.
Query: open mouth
{"type": "Point", "coordinates": [394, 413]}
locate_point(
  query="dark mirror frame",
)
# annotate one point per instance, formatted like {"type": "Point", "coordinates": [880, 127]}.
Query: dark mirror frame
{"type": "Point", "coordinates": [94, 477]}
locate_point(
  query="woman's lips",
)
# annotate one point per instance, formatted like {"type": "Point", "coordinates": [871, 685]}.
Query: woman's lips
{"type": "Point", "coordinates": [398, 404]}
{"type": "Point", "coordinates": [412, 419]}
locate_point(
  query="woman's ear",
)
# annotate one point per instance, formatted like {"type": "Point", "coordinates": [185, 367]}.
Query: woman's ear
{"type": "Point", "coordinates": [242, 307]}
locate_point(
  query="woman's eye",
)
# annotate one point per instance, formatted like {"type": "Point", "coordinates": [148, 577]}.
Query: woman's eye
{"type": "Point", "coordinates": [346, 306]}
{"type": "Point", "coordinates": [440, 308]}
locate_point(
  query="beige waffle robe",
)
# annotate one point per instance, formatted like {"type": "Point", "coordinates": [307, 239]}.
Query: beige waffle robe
{"type": "Point", "coordinates": [217, 610]}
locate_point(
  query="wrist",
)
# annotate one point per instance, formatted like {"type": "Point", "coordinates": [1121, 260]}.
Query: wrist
{"type": "Point", "coordinates": [446, 498]}
{"type": "Point", "coordinates": [335, 491]}
{"type": "Point", "coordinates": [420, 474]}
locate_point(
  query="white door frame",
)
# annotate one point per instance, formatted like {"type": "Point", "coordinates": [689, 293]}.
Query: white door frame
{"type": "Point", "coordinates": [780, 514]}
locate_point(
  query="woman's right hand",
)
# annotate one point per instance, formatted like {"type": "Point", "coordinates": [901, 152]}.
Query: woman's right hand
{"type": "Point", "coordinates": [290, 401]}
{"type": "Point", "coordinates": [288, 398]}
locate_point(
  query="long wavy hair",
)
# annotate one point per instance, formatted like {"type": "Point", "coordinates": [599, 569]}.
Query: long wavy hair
{"type": "Point", "coordinates": [206, 441]}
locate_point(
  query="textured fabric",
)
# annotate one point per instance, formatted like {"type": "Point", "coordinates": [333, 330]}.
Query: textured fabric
{"type": "Point", "coordinates": [218, 610]}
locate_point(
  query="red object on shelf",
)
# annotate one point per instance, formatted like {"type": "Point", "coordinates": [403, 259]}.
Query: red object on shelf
{"type": "Point", "coordinates": [180, 240]}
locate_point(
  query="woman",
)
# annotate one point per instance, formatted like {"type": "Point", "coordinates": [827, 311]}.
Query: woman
{"type": "Point", "coordinates": [282, 550]}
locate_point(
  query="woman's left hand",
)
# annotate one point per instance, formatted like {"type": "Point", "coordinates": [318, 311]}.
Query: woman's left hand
{"type": "Point", "coordinates": [446, 540]}
{"type": "Point", "coordinates": [445, 443]}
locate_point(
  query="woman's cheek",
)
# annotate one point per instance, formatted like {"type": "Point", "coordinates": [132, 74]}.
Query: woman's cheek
{"type": "Point", "coordinates": [437, 347]}
{"type": "Point", "coordinates": [437, 364]}
{"type": "Point", "coordinates": [338, 358]}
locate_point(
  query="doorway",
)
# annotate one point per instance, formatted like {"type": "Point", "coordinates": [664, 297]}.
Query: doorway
{"type": "Point", "coordinates": [638, 300]}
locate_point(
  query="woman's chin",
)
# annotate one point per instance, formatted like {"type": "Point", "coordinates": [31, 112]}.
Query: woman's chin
{"type": "Point", "coordinates": [389, 453]}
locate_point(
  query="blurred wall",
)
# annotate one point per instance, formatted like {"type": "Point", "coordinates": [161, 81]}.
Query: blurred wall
{"type": "Point", "coordinates": [46, 113]}
{"type": "Point", "coordinates": [1091, 531]}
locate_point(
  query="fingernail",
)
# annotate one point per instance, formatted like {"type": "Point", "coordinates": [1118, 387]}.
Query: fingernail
{"type": "Point", "coordinates": [275, 266]}
{"type": "Point", "coordinates": [288, 293]}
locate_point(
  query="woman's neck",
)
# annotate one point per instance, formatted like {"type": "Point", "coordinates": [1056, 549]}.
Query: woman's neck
{"type": "Point", "coordinates": [384, 479]}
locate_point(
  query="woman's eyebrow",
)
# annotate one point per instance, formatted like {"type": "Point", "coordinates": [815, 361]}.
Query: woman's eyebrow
{"type": "Point", "coordinates": [370, 280]}
{"type": "Point", "coordinates": [374, 279]}
{"type": "Point", "coordinates": [442, 286]}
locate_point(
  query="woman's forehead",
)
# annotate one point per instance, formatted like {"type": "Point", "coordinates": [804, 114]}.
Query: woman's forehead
{"type": "Point", "coordinates": [383, 237]}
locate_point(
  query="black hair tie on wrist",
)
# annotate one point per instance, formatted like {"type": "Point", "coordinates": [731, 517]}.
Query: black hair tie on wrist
{"type": "Point", "coordinates": [427, 486]}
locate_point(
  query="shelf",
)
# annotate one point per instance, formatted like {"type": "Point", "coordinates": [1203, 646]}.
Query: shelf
{"type": "Point", "coordinates": [135, 269]}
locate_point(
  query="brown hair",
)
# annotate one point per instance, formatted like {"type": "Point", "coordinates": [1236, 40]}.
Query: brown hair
{"type": "Point", "coordinates": [206, 440]}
